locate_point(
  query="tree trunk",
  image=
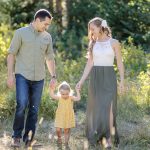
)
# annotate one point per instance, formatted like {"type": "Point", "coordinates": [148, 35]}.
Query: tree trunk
{"type": "Point", "coordinates": [68, 10]}
{"type": "Point", "coordinates": [51, 6]}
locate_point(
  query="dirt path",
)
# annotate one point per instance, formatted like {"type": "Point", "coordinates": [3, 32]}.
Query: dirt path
{"type": "Point", "coordinates": [132, 136]}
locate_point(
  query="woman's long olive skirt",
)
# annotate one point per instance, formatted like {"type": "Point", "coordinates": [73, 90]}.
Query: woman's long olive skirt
{"type": "Point", "coordinates": [101, 94]}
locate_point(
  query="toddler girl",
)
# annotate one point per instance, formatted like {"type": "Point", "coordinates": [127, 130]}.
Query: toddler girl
{"type": "Point", "coordinates": [64, 118]}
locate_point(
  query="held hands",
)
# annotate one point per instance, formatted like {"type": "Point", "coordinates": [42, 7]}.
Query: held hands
{"type": "Point", "coordinates": [79, 86]}
{"type": "Point", "coordinates": [53, 83]}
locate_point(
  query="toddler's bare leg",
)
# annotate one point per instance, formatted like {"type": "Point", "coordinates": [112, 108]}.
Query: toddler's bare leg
{"type": "Point", "coordinates": [67, 135]}
{"type": "Point", "coordinates": [58, 132]}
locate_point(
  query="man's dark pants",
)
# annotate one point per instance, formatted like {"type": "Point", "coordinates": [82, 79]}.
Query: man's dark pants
{"type": "Point", "coordinates": [28, 94]}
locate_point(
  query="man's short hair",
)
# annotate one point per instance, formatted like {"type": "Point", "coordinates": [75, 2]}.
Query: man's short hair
{"type": "Point", "coordinates": [42, 14]}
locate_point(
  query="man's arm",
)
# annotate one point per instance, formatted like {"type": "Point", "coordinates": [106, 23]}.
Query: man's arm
{"type": "Point", "coordinates": [13, 50]}
{"type": "Point", "coordinates": [51, 63]}
{"type": "Point", "coordinates": [10, 70]}
{"type": "Point", "coordinates": [51, 67]}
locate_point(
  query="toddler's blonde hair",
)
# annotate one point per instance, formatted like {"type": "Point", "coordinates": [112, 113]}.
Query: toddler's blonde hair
{"type": "Point", "coordinates": [65, 86]}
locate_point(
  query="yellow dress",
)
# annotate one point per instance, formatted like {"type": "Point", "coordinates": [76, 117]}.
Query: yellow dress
{"type": "Point", "coordinates": [64, 117]}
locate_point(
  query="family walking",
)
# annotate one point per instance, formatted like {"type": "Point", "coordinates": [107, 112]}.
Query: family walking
{"type": "Point", "coordinates": [30, 48]}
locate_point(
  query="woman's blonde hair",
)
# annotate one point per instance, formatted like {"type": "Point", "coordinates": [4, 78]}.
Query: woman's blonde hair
{"type": "Point", "coordinates": [97, 22]}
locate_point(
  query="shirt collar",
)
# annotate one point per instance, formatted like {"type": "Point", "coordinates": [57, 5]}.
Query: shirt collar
{"type": "Point", "coordinates": [33, 29]}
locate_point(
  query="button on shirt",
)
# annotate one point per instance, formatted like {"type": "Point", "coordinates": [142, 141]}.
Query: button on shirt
{"type": "Point", "coordinates": [31, 48]}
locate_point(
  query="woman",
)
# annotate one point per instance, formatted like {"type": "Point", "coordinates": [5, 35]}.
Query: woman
{"type": "Point", "coordinates": [102, 93]}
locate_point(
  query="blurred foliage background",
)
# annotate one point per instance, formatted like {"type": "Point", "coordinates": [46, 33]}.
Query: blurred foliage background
{"type": "Point", "coordinates": [130, 24]}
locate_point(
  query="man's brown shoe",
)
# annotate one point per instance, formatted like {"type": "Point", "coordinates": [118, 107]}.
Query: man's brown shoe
{"type": "Point", "coordinates": [28, 143]}
{"type": "Point", "coordinates": [15, 142]}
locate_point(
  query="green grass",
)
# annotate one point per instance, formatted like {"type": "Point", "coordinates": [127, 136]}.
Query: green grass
{"type": "Point", "coordinates": [133, 135]}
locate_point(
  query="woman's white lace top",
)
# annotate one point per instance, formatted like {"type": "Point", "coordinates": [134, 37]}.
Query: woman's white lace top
{"type": "Point", "coordinates": [103, 54]}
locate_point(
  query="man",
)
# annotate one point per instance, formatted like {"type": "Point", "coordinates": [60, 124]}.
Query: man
{"type": "Point", "coordinates": [29, 48]}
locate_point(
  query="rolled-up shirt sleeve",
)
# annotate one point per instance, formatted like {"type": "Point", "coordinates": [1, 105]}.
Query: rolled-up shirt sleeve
{"type": "Point", "coordinates": [15, 43]}
{"type": "Point", "coordinates": [49, 52]}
